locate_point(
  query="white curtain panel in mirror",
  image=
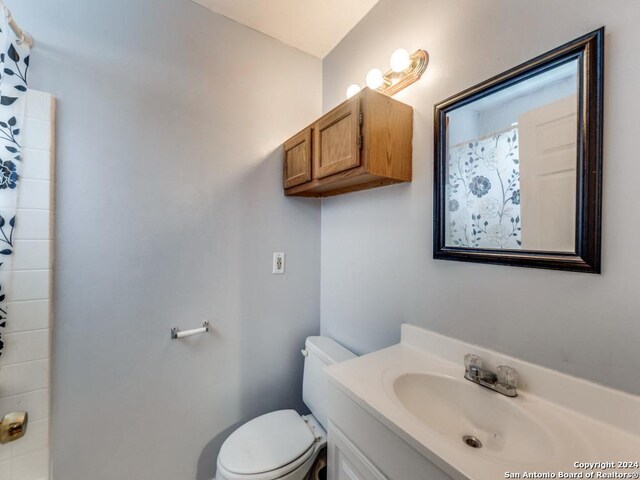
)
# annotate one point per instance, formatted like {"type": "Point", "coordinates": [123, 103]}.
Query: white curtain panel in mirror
{"type": "Point", "coordinates": [483, 192]}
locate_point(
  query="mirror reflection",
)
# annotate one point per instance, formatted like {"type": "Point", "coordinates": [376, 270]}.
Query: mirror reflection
{"type": "Point", "coordinates": [511, 166]}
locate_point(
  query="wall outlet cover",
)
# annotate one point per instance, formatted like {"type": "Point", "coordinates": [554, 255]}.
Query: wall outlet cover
{"type": "Point", "coordinates": [278, 263]}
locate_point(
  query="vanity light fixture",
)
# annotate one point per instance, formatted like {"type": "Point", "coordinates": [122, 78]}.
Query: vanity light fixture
{"type": "Point", "coordinates": [353, 89]}
{"type": "Point", "coordinates": [405, 69]}
{"type": "Point", "coordinates": [375, 79]}
{"type": "Point", "coordinates": [400, 60]}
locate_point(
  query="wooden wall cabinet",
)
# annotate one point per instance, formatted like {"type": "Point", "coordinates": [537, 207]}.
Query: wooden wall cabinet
{"type": "Point", "coordinates": [297, 159]}
{"type": "Point", "coordinates": [365, 142]}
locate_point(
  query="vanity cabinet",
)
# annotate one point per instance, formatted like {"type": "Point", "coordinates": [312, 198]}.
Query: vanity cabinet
{"type": "Point", "coordinates": [346, 462]}
{"type": "Point", "coordinates": [362, 448]}
{"type": "Point", "coordinates": [363, 143]}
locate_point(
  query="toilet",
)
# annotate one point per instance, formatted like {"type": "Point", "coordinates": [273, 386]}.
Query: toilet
{"type": "Point", "coordinates": [283, 445]}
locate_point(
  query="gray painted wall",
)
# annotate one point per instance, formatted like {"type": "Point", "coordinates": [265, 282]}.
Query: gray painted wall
{"type": "Point", "coordinates": [377, 266]}
{"type": "Point", "coordinates": [169, 206]}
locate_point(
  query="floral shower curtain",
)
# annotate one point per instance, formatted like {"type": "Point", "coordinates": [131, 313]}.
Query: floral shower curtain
{"type": "Point", "coordinates": [14, 63]}
{"type": "Point", "coordinates": [483, 204]}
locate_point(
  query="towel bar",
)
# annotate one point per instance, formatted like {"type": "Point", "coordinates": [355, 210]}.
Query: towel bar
{"type": "Point", "coordinates": [175, 333]}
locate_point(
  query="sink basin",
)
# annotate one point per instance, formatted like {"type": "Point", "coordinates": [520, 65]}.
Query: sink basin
{"type": "Point", "coordinates": [471, 415]}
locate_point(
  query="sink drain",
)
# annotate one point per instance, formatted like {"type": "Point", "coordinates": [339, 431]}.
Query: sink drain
{"type": "Point", "coordinates": [472, 442]}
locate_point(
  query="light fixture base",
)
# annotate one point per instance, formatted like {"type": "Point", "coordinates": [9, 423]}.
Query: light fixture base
{"type": "Point", "coordinates": [396, 81]}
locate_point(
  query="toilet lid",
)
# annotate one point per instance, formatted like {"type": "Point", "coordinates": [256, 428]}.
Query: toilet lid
{"type": "Point", "coordinates": [266, 443]}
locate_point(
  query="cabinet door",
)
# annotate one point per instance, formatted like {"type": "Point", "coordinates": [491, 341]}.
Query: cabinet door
{"type": "Point", "coordinates": [337, 140]}
{"type": "Point", "coordinates": [346, 462]}
{"type": "Point", "coordinates": [297, 159]}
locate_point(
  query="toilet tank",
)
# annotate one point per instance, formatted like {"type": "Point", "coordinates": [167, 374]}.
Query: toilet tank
{"type": "Point", "coordinates": [320, 352]}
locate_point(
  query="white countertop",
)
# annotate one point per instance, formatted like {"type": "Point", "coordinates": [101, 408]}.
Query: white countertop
{"type": "Point", "coordinates": [585, 422]}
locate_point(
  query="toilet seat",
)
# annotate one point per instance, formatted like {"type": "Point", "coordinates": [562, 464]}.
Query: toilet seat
{"type": "Point", "coordinates": [271, 446]}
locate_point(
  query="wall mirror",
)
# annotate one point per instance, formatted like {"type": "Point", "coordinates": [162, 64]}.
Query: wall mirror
{"type": "Point", "coordinates": [518, 164]}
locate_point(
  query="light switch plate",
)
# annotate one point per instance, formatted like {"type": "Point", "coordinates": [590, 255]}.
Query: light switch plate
{"type": "Point", "coordinates": [278, 263]}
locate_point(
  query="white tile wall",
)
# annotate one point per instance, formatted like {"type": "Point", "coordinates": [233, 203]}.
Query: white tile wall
{"type": "Point", "coordinates": [33, 315]}
{"type": "Point", "coordinates": [24, 367]}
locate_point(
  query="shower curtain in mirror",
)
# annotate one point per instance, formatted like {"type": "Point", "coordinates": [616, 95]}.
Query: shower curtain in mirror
{"type": "Point", "coordinates": [14, 63]}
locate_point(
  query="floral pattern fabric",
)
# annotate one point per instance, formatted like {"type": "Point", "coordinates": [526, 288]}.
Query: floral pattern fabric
{"type": "Point", "coordinates": [14, 64]}
{"type": "Point", "coordinates": [483, 193]}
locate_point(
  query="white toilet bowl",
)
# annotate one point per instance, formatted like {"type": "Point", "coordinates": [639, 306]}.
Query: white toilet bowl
{"type": "Point", "coordinates": [279, 445]}
{"type": "Point", "coordinates": [283, 445]}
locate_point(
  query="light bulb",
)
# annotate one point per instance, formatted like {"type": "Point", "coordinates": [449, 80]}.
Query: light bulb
{"type": "Point", "coordinates": [400, 60]}
{"type": "Point", "coordinates": [375, 79]}
{"type": "Point", "coordinates": [352, 90]}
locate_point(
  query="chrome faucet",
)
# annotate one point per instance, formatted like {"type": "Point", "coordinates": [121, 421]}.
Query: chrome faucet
{"type": "Point", "coordinates": [504, 380]}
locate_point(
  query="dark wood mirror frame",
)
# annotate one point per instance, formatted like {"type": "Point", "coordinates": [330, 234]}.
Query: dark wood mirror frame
{"type": "Point", "coordinates": [589, 51]}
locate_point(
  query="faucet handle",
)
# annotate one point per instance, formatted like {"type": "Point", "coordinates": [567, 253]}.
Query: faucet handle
{"type": "Point", "coordinates": [471, 360]}
{"type": "Point", "coordinates": [507, 376]}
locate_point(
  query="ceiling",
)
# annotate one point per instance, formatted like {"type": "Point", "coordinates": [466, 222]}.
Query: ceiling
{"type": "Point", "coordinates": [313, 26]}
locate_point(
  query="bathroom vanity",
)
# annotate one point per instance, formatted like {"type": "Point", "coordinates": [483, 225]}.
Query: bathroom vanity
{"type": "Point", "coordinates": [363, 448]}
{"type": "Point", "coordinates": [408, 413]}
